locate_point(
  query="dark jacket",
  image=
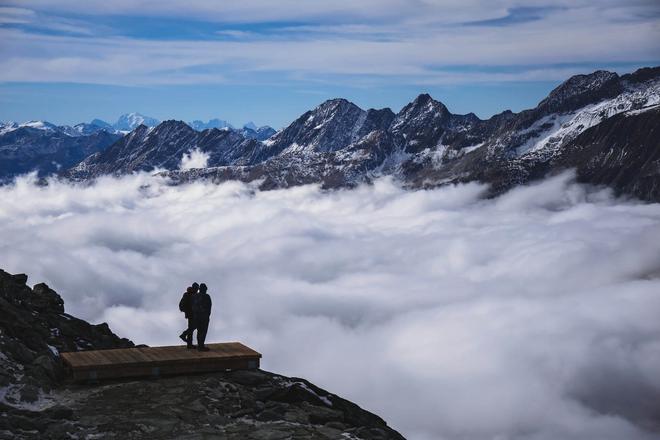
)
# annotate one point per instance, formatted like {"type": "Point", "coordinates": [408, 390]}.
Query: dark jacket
{"type": "Point", "coordinates": [201, 306]}
{"type": "Point", "coordinates": [185, 305]}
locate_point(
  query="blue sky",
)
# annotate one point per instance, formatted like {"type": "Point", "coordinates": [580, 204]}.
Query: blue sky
{"type": "Point", "coordinates": [67, 61]}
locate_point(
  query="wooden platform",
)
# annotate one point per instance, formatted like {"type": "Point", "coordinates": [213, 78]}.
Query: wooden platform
{"type": "Point", "coordinates": [158, 361]}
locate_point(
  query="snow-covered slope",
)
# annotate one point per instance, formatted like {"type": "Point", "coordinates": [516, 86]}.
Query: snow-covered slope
{"type": "Point", "coordinates": [556, 129]}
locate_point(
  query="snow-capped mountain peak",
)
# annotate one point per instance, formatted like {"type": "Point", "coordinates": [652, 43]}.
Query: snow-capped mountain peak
{"type": "Point", "coordinates": [39, 125]}
{"type": "Point", "coordinates": [130, 121]}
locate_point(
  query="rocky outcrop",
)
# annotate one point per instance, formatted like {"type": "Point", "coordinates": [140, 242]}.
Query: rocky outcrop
{"type": "Point", "coordinates": [34, 329]}
{"type": "Point", "coordinates": [37, 402]}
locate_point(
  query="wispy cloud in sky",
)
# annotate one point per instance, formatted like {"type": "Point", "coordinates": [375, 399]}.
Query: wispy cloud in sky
{"type": "Point", "coordinates": [398, 39]}
{"type": "Point", "coordinates": [390, 43]}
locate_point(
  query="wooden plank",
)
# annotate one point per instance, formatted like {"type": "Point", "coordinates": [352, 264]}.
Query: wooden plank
{"type": "Point", "coordinates": [144, 361]}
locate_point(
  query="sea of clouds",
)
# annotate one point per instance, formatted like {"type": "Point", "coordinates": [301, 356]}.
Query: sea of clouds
{"type": "Point", "coordinates": [534, 315]}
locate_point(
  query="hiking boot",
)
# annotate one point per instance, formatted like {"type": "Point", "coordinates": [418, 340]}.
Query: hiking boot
{"type": "Point", "coordinates": [203, 349]}
{"type": "Point", "coordinates": [190, 347]}
{"type": "Point", "coordinates": [182, 336]}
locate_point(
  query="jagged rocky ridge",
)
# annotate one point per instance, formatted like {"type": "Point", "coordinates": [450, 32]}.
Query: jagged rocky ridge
{"type": "Point", "coordinates": [37, 402]}
{"type": "Point", "coordinates": [339, 144]}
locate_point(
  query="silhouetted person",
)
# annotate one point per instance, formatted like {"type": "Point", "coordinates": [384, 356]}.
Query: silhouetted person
{"type": "Point", "coordinates": [201, 306]}
{"type": "Point", "coordinates": [185, 305]}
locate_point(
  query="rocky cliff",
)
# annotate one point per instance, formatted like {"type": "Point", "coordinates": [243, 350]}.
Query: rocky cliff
{"type": "Point", "coordinates": [37, 401]}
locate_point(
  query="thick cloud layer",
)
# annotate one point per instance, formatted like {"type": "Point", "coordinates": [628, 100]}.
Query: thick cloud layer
{"type": "Point", "coordinates": [530, 316]}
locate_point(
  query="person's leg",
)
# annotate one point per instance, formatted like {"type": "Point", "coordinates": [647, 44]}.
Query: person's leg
{"type": "Point", "coordinates": [189, 332]}
{"type": "Point", "coordinates": [184, 334]}
{"type": "Point", "coordinates": [202, 329]}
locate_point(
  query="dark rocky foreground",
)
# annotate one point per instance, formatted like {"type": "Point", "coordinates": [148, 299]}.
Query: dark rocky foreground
{"type": "Point", "coordinates": [37, 401]}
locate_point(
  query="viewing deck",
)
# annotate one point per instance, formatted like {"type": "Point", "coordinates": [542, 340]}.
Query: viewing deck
{"type": "Point", "coordinates": [158, 361]}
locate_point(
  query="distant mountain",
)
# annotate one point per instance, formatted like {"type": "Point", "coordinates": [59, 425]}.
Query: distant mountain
{"type": "Point", "coordinates": [101, 124]}
{"type": "Point", "coordinates": [249, 130]}
{"type": "Point", "coordinates": [130, 121]}
{"type": "Point", "coordinates": [212, 123]}
{"type": "Point", "coordinates": [46, 148]}
{"type": "Point", "coordinates": [163, 146]}
{"type": "Point", "coordinates": [258, 133]}
{"type": "Point", "coordinates": [96, 125]}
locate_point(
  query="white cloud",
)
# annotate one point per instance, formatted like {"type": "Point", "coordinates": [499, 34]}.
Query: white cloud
{"type": "Point", "coordinates": [16, 15]}
{"type": "Point", "coordinates": [194, 159]}
{"type": "Point", "coordinates": [405, 42]}
{"type": "Point", "coordinates": [529, 316]}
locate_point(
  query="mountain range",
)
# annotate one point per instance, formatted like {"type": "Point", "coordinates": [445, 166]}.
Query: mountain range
{"type": "Point", "coordinates": [603, 125]}
{"type": "Point", "coordinates": [48, 148]}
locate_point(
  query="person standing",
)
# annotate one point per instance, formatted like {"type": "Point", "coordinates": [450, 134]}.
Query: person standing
{"type": "Point", "coordinates": [185, 305]}
{"type": "Point", "coordinates": [201, 307]}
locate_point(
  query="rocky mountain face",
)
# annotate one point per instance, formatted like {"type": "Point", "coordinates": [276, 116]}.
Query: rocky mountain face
{"type": "Point", "coordinates": [622, 152]}
{"type": "Point", "coordinates": [163, 147]}
{"type": "Point", "coordinates": [37, 401]}
{"type": "Point", "coordinates": [34, 329]}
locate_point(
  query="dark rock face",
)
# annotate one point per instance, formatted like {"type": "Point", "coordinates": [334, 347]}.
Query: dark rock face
{"type": "Point", "coordinates": [340, 145]}
{"type": "Point", "coordinates": [145, 149]}
{"type": "Point", "coordinates": [622, 152]}
{"type": "Point", "coordinates": [157, 147]}
{"type": "Point", "coordinates": [237, 405]}
{"type": "Point", "coordinates": [33, 330]}
{"type": "Point", "coordinates": [581, 90]}
{"type": "Point", "coordinates": [36, 401]}
{"type": "Point", "coordinates": [28, 149]}
{"type": "Point", "coordinates": [420, 124]}
{"type": "Point", "coordinates": [331, 126]}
